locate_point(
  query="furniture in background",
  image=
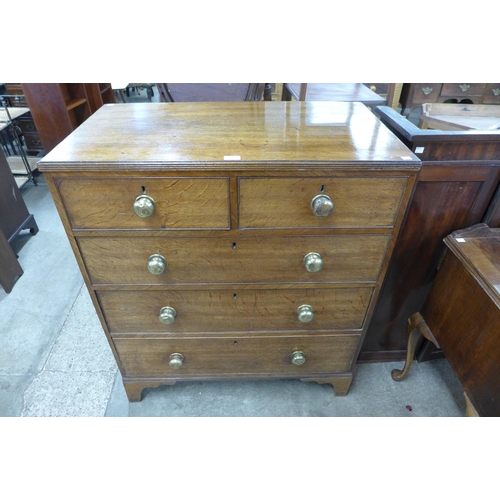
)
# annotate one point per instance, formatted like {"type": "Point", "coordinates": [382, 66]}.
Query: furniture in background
{"type": "Point", "coordinates": [14, 217]}
{"type": "Point", "coordinates": [459, 116]}
{"type": "Point", "coordinates": [462, 316]}
{"type": "Point", "coordinates": [210, 92]}
{"type": "Point", "coordinates": [341, 92]}
{"type": "Point", "coordinates": [11, 142]}
{"type": "Point", "coordinates": [415, 94]}
{"type": "Point", "coordinates": [137, 87]}
{"type": "Point", "coordinates": [237, 240]}
{"type": "Point", "coordinates": [457, 187]}
{"type": "Point", "coordinates": [59, 108]}
{"type": "Point", "coordinates": [16, 98]}
{"type": "Point", "coordinates": [119, 89]}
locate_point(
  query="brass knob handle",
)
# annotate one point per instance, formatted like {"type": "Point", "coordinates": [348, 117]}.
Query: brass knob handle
{"type": "Point", "coordinates": [305, 313]}
{"type": "Point", "coordinates": [313, 262]}
{"type": "Point", "coordinates": [176, 360]}
{"type": "Point", "coordinates": [322, 205]}
{"type": "Point", "coordinates": [157, 264]}
{"type": "Point", "coordinates": [298, 358]}
{"type": "Point", "coordinates": [144, 206]}
{"type": "Point", "coordinates": [167, 315]}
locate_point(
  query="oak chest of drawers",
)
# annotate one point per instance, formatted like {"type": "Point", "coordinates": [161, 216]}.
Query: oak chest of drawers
{"type": "Point", "coordinates": [232, 240]}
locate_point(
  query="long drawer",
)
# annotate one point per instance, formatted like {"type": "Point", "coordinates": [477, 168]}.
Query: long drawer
{"type": "Point", "coordinates": [181, 203]}
{"type": "Point", "coordinates": [235, 310]}
{"type": "Point", "coordinates": [147, 357]}
{"type": "Point", "coordinates": [252, 259]}
{"type": "Point", "coordinates": [286, 202]}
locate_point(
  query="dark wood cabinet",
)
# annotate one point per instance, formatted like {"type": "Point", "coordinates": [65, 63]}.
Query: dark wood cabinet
{"type": "Point", "coordinates": [462, 316]}
{"type": "Point", "coordinates": [59, 108]}
{"type": "Point", "coordinates": [456, 188]}
{"type": "Point", "coordinates": [14, 217]}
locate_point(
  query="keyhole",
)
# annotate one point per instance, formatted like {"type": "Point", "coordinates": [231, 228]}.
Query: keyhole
{"type": "Point", "coordinates": [143, 189]}
{"type": "Point", "coordinates": [234, 246]}
{"type": "Point", "coordinates": [234, 296]}
{"type": "Point", "coordinates": [235, 342]}
{"type": "Point", "coordinates": [322, 188]}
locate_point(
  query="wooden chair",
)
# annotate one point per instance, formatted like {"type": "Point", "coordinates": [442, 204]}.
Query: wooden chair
{"type": "Point", "coordinates": [342, 92]}
{"type": "Point", "coordinates": [210, 92]}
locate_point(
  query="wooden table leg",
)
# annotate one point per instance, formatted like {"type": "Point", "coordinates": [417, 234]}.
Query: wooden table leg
{"type": "Point", "coordinates": [415, 329]}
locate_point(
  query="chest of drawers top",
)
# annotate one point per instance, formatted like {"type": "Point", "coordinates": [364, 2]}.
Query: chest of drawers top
{"type": "Point", "coordinates": [229, 136]}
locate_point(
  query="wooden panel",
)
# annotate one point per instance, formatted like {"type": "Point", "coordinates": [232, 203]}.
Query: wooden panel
{"type": "Point", "coordinates": [347, 258]}
{"type": "Point", "coordinates": [468, 89]}
{"type": "Point", "coordinates": [269, 356]}
{"type": "Point", "coordinates": [286, 202]}
{"type": "Point", "coordinates": [437, 209]}
{"type": "Point", "coordinates": [181, 203]}
{"type": "Point", "coordinates": [465, 322]}
{"type": "Point", "coordinates": [235, 310]}
{"type": "Point", "coordinates": [492, 94]}
{"type": "Point", "coordinates": [425, 92]}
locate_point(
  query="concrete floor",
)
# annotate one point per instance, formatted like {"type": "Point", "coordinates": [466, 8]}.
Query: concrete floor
{"type": "Point", "coordinates": [55, 360]}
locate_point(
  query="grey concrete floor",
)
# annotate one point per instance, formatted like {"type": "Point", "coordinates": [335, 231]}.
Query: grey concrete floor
{"type": "Point", "coordinates": [55, 360]}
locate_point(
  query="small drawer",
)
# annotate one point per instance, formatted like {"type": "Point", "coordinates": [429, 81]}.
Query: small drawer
{"type": "Point", "coordinates": [235, 310]}
{"type": "Point", "coordinates": [462, 89]}
{"type": "Point", "coordinates": [179, 203]}
{"type": "Point", "coordinates": [273, 259]}
{"type": "Point", "coordinates": [358, 202]}
{"type": "Point", "coordinates": [425, 92]}
{"type": "Point", "coordinates": [210, 356]}
{"type": "Point", "coordinates": [27, 125]}
{"type": "Point", "coordinates": [492, 94]}
{"type": "Point", "coordinates": [33, 141]}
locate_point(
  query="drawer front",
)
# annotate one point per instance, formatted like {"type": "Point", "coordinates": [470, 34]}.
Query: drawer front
{"type": "Point", "coordinates": [462, 89]}
{"type": "Point", "coordinates": [27, 125]}
{"type": "Point", "coordinates": [425, 92]}
{"type": "Point", "coordinates": [33, 141]}
{"type": "Point", "coordinates": [143, 357]}
{"type": "Point", "coordinates": [181, 203]}
{"type": "Point", "coordinates": [236, 310]}
{"type": "Point", "coordinates": [492, 94]}
{"type": "Point", "coordinates": [286, 202]}
{"type": "Point", "coordinates": [346, 258]}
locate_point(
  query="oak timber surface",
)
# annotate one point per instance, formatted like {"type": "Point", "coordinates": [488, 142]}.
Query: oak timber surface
{"type": "Point", "coordinates": [269, 132]}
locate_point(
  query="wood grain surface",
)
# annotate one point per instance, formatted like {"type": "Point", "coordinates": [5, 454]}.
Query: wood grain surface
{"type": "Point", "coordinates": [237, 259]}
{"type": "Point", "coordinates": [211, 356]}
{"type": "Point", "coordinates": [235, 310]}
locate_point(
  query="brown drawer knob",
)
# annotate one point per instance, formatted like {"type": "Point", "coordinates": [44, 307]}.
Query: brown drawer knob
{"type": "Point", "coordinates": [305, 313]}
{"type": "Point", "coordinates": [157, 264]}
{"type": "Point", "coordinates": [298, 358]}
{"type": "Point", "coordinates": [167, 315]}
{"type": "Point", "coordinates": [144, 206]}
{"type": "Point", "coordinates": [313, 262]}
{"type": "Point", "coordinates": [176, 360]}
{"type": "Point", "coordinates": [322, 205]}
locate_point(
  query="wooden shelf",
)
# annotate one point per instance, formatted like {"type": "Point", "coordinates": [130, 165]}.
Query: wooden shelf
{"type": "Point", "coordinates": [59, 108]}
{"type": "Point", "coordinates": [73, 103]}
